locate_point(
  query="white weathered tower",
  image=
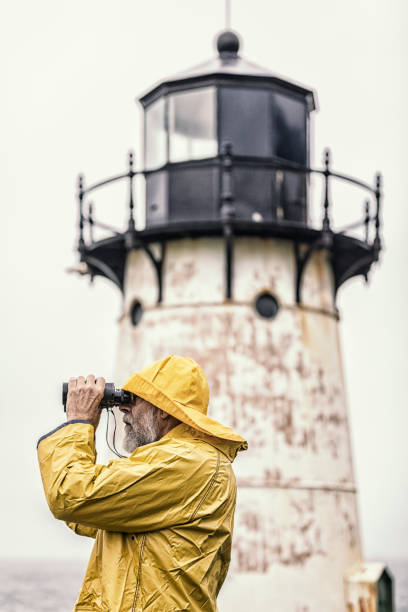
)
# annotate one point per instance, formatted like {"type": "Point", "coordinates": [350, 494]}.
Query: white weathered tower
{"type": "Point", "coordinates": [230, 271]}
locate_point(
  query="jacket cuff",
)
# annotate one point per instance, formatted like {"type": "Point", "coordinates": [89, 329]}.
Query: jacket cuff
{"type": "Point", "coordinates": [60, 427]}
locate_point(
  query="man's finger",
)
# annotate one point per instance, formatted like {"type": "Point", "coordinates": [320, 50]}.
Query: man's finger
{"type": "Point", "coordinates": [80, 381]}
{"type": "Point", "coordinates": [72, 383]}
{"type": "Point", "coordinates": [100, 384]}
{"type": "Point", "coordinates": [90, 379]}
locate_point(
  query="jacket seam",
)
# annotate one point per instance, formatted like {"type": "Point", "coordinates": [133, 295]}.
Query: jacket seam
{"type": "Point", "coordinates": [139, 571]}
{"type": "Point", "coordinates": [60, 427]}
{"type": "Point", "coordinates": [210, 486]}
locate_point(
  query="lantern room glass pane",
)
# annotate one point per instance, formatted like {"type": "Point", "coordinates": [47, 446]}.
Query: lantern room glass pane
{"type": "Point", "coordinates": [289, 128]}
{"type": "Point", "coordinates": [246, 120]}
{"type": "Point", "coordinates": [155, 135]}
{"type": "Point", "coordinates": [192, 124]}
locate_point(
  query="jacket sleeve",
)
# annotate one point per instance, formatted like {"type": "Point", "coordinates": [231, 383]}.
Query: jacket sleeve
{"type": "Point", "coordinates": [161, 485]}
{"type": "Point", "coordinates": [83, 530]}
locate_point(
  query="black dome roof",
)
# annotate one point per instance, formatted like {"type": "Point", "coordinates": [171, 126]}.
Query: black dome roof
{"type": "Point", "coordinates": [228, 63]}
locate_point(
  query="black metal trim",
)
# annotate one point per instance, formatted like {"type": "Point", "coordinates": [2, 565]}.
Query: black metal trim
{"type": "Point", "coordinates": [220, 78]}
{"type": "Point", "coordinates": [261, 162]}
{"type": "Point", "coordinates": [158, 266]}
{"type": "Point", "coordinates": [323, 240]}
{"type": "Point", "coordinates": [104, 269]}
{"type": "Point", "coordinates": [356, 268]}
{"type": "Point", "coordinates": [349, 256]}
{"type": "Point", "coordinates": [229, 259]}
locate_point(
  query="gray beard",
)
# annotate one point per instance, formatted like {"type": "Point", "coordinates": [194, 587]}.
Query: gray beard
{"type": "Point", "coordinates": [146, 433]}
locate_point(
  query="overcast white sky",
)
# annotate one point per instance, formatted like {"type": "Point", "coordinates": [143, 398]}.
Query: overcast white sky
{"type": "Point", "coordinates": [70, 71]}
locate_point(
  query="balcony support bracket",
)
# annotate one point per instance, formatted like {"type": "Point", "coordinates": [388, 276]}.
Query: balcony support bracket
{"type": "Point", "coordinates": [323, 241]}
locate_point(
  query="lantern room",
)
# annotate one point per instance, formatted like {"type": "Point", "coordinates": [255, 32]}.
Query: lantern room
{"type": "Point", "coordinates": [227, 154]}
{"type": "Point", "coordinates": [229, 111]}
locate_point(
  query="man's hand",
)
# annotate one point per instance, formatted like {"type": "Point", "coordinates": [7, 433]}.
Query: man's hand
{"type": "Point", "coordinates": [84, 397]}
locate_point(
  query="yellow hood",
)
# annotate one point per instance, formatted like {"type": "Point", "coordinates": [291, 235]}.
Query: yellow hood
{"type": "Point", "coordinates": [179, 386]}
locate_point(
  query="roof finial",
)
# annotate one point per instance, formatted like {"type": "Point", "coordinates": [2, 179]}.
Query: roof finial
{"type": "Point", "coordinates": [228, 44]}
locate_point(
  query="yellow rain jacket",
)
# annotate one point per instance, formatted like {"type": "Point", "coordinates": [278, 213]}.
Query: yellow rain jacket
{"type": "Point", "coordinates": [162, 518]}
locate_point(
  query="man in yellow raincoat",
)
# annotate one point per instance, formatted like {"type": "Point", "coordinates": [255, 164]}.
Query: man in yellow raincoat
{"type": "Point", "coordinates": [162, 517]}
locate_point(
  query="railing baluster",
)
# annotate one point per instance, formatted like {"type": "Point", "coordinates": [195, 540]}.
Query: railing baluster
{"type": "Point", "coordinates": [81, 242]}
{"type": "Point", "coordinates": [131, 174]}
{"type": "Point", "coordinates": [91, 222]}
{"type": "Point", "coordinates": [377, 239]}
{"type": "Point", "coordinates": [326, 204]}
{"type": "Point", "coordinates": [367, 220]}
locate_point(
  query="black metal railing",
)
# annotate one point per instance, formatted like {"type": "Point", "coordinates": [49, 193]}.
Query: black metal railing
{"type": "Point", "coordinates": [370, 220]}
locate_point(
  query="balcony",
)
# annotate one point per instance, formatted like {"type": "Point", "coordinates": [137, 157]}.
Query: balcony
{"type": "Point", "coordinates": [296, 204]}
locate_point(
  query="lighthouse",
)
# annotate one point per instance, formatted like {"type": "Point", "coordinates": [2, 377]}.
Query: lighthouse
{"type": "Point", "coordinates": [225, 261]}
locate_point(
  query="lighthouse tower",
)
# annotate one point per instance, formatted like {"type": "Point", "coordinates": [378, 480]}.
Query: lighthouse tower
{"type": "Point", "coordinates": [229, 269]}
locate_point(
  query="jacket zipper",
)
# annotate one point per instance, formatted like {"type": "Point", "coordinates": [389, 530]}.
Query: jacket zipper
{"type": "Point", "coordinates": [139, 571]}
{"type": "Point", "coordinates": [210, 486]}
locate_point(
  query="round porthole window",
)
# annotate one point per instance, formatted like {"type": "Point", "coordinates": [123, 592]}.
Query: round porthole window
{"type": "Point", "coordinates": [136, 312]}
{"type": "Point", "coordinates": [266, 305]}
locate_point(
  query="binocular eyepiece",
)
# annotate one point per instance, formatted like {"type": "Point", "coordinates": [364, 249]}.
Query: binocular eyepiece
{"type": "Point", "coordinates": [111, 397]}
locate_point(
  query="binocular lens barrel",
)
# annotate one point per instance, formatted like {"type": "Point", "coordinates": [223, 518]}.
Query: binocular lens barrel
{"type": "Point", "coordinates": [111, 397]}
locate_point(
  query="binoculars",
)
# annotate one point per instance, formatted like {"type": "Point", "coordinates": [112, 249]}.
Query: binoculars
{"type": "Point", "coordinates": [111, 397]}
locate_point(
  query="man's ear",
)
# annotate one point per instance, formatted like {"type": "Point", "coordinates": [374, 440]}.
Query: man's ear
{"type": "Point", "coordinates": [163, 415]}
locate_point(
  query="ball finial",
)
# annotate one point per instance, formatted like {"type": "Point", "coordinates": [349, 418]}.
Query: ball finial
{"type": "Point", "coordinates": [227, 43]}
